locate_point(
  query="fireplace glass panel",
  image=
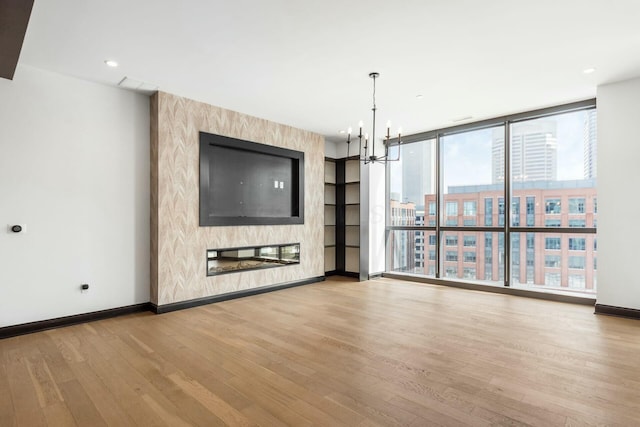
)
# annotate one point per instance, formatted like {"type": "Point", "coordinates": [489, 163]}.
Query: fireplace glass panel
{"type": "Point", "coordinates": [232, 260]}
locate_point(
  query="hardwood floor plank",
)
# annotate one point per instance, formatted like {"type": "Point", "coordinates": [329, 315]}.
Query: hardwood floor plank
{"type": "Point", "coordinates": [169, 418]}
{"type": "Point", "coordinates": [46, 389]}
{"type": "Point", "coordinates": [262, 417]}
{"type": "Point", "coordinates": [152, 375]}
{"type": "Point", "coordinates": [101, 396]}
{"type": "Point", "coordinates": [126, 386]}
{"type": "Point", "coordinates": [80, 405]}
{"type": "Point", "coordinates": [7, 413]}
{"type": "Point", "coordinates": [26, 406]}
{"type": "Point", "coordinates": [424, 411]}
{"type": "Point", "coordinates": [54, 358]}
{"type": "Point", "coordinates": [337, 353]}
{"type": "Point", "coordinates": [227, 413]}
{"type": "Point", "coordinates": [58, 414]}
{"type": "Point", "coordinates": [370, 406]}
{"type": "Point", "coordinates": [272, 400]}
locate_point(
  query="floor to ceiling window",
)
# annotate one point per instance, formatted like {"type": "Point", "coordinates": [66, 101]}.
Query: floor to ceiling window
{"type": "Point", "coordinates": [413, 181]}
{"type": "Point", "coordinates": [510, 201]}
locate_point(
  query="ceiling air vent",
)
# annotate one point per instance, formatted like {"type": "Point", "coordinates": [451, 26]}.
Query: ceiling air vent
{"type": "Point", "coordinates": [138, 86]}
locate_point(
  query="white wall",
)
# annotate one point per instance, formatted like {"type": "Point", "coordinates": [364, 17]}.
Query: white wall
{"type": "Point", "coordinates": [330, 149]}
{"type": "Point", "coordinates": [618, 203]}
{"type": "Point", "coordinates": [339, 149]}
{"type": "Point", "coordinates": [74, 167]}
{"type": "Point", "coordinates": [377, 203]}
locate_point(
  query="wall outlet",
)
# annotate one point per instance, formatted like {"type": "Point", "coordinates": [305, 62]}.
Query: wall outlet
{"type": "Point", "coordinates": [16, 228]}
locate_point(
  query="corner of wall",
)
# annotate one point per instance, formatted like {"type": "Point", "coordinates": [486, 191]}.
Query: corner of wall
{"type": "Point", "coordinates": [153, 108]}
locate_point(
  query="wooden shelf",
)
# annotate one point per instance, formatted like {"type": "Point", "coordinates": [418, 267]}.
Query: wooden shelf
{"type": "Point", "coordinates": [329, 215]}
{"type": "Point", "coordinates": [329, 172]}
{"type": "Point", "coordinates": [329, 236]}
{"type": "Point", "coordinates": [352, 259]}
{"type": "Point", "coordinates": [329, 195]}
{"type": "Point", "coordinates": [329, 259]}
{"type": "Point", "coordinates": [352, 215]}
{"type": "Point", "coordinates": [352, 236]}
{"type": "Point", "coordinates": [352, 171]}
{"type": "Point", "coordinates": [352, 195]}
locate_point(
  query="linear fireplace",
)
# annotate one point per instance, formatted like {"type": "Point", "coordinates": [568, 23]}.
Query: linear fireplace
{"type": "Point", "coordinates": [233, 260]}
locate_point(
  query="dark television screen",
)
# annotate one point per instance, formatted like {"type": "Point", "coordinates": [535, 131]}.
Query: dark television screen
{"type": "Point", "coordinates": [244, 183]}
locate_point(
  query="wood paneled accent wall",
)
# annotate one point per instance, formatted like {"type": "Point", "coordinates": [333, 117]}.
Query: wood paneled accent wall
{"type": "Point", "coordinates": [179, 244]}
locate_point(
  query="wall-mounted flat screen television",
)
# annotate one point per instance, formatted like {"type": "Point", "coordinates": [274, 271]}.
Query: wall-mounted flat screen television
{"type": "Point", "coordinates": [246, 183]}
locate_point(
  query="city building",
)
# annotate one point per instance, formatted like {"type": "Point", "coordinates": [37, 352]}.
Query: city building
{"type": "Point", "coordinates": [417, 175]}
{"type": "Point", "coordinates": [534, 152]}
{"type": "Point", "coordinates": [552, 260]}
{"type": "Point", "coordinates": [403, 245]}
{"type": "Point", "coordinates": [420, 247]}
{"type": "Point", "coordinates": [590, 145]}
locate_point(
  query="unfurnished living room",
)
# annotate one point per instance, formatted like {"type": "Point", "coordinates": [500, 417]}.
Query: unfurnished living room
{"type": "Point", "coordinates": [319, 213]}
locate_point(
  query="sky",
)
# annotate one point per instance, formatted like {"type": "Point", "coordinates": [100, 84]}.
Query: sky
{"type": "Point", "coordinates": [467, 156]}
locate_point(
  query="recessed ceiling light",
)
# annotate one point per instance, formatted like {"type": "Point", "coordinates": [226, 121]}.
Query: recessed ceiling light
{"type": "Point", "coordinates": [462, 119]}
{"type": "Point", "coordinates": [588, 70]}
{"type": "Point", "coordinates": [111, 63]}
{"type": "Point", "coordinates": [419, 96]}
{"type": "Point", "coordinates": [341, 132]}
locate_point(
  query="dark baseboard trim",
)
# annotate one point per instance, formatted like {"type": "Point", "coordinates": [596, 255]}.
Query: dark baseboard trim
{"type": "Point", "coordinates": [612, 310]}
{"type": "Point", "coordinates": [341, 273]}
{"type": "Point", "coordinates": [348, 274]}
{"type": "Point", "coordinates": [43, 325]}
{"type": "Point", "coordinates": [166, 308]}
{"type": "Point", "coordinates": [495, 289]}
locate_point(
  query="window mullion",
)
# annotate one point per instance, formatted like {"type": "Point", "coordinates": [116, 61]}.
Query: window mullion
{"type": "Point", "coordinates": [507, 203]}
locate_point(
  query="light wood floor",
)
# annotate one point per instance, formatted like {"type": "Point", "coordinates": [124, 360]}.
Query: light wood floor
{"type": "Point", "coordinates": [383, 352]}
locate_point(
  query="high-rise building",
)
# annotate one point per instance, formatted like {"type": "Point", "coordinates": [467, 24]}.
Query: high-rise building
{"type": "Point", "coordinates": [418, 173]}
{"type": "Point", "coordinates": [534, 152]}
{"type": "Point", "coordinates": [419, 243]}
{"type": "Point", "coordinates": [402, 244]}
{"type": "Point", "coordinates": [590, 145]}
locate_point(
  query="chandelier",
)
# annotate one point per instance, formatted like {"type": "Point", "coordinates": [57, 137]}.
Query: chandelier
{"type": "Point", "coordinates": [372, 157]}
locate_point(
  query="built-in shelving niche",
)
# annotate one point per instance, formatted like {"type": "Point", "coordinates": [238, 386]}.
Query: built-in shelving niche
{"type": "Point", "coordinates": [342, 217]}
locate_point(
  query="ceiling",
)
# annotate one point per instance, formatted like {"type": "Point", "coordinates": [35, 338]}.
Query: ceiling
{"type": "Point", "coordinates": [305, 63]}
